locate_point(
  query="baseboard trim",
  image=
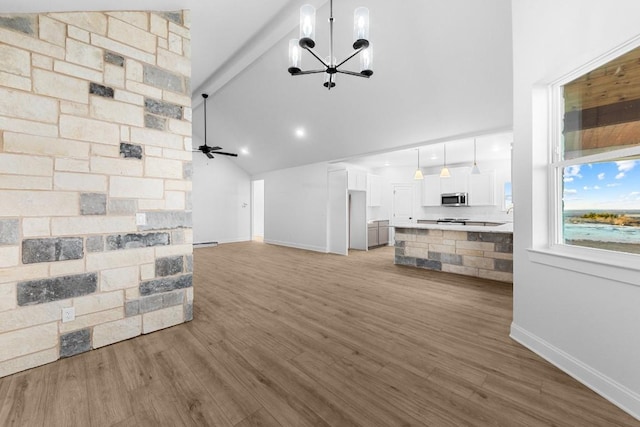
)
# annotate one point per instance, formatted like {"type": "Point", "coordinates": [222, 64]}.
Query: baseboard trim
{"type": "Point", "coordinates": [296, 246]}
{"type": "Point", "coordinates": [616, 393]}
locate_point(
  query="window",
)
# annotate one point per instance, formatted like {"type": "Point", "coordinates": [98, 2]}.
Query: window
{"type": "Point", "coordinates": [596, 158]}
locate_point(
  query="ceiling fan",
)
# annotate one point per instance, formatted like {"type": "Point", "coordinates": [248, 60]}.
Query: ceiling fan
{"type": "Point", "coordinates": [208, 150]}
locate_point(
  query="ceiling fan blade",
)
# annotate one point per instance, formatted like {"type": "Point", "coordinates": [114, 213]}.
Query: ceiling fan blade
{"type": "Point", "coordinates": [215, 148]}
{"type": "Point", "coordinates": [208, 155]}
{"type": "Point", "coordinates": [227, 154]}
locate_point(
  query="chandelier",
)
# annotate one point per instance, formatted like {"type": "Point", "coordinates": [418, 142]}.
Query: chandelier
{"type": "Point", "coordinates": [330, 66]}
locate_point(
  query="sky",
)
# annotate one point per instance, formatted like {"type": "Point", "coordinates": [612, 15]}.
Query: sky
{"type": "Point", "coordinates": [601, 186]}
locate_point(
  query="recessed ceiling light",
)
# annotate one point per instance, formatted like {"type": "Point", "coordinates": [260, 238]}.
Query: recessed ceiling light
{"type": "Point", "coordinates": [300, 132]}
{"type": "Point", "coordinates": [244, 151]}
{"type": "Point", "coordinates": [387, 164]}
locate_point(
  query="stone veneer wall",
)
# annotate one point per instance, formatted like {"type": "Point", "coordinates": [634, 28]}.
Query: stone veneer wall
{"type": "Point", "coordinates": [95, 127]}
{"type": "Point", "coordinates": [486, 255]}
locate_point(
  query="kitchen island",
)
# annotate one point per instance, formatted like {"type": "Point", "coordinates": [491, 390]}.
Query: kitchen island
{"type": "Point", "coordinates": [473, 250]}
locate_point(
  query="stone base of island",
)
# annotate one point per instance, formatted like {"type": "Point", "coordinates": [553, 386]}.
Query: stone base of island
{"type": "Point", "coordinates": [486, 254]}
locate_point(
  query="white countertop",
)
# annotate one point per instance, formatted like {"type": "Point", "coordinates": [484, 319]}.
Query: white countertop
{"type": "Point", "coordinates": [507, 227]}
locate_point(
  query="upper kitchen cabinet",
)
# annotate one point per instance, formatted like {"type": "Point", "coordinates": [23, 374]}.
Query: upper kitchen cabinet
{"type": "Point", "coordinates": [457, 183]}
{"type": "Point", "coordinates": [357, 180]}
{"type": "Point", "coordinates": [482, 189]}
{"type": "Point", "coordinates": [374, 190]}
{"type": "Point", "coordinates": [431, 190]}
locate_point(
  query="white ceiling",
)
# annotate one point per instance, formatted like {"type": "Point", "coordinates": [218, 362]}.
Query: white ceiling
{"type": "Point", "coordinates": [442, 72]}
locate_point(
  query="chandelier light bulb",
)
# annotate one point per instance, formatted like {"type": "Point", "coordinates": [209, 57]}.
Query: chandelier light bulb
{"type": "Point", "coordinates": [308, 24]}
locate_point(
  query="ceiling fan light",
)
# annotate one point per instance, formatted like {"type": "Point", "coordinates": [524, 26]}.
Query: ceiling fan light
{"type": "Point", "coordinates": [360, 25]}
{"type": "Point", "coordinates": [307, 25]}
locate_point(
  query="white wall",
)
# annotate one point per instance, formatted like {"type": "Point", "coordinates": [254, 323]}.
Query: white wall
{"type": "Point", "coordinates": [221, 200]}
{"type": "Point", "coordinates": [295, 208]}
{"type": "Point", "coordinates": [584, 324]}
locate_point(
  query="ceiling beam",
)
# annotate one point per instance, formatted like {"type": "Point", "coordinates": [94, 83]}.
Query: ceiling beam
{"type": "Point", "coordinates": [604, 115]}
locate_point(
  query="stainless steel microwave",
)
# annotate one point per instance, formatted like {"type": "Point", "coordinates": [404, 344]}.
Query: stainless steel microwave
{"type": "Point", "coordinates": [454, 199]}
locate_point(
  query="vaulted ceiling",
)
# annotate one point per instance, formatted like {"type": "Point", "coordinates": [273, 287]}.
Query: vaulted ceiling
{"type": "Point", "coordinates": [442, 70]}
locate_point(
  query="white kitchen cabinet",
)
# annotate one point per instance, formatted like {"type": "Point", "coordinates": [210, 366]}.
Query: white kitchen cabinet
{"type": "Point", "coordinates": [357, 180]}
{"type": "Point", "coordinates": [374, 190]}
{"type": "Point", "coordinates": [457, 183]}
{"type": "Point", "coordinates": [482, 189]}
{"type": "Point", "coordinates": [431, 190]}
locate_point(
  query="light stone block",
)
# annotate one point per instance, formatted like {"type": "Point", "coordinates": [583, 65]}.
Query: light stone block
{"type": "Point", "coordinates": [22, 273]}
{"type": "Point", "coordinates": [29, 340]}
{"type": "Point", "coordinates": [119, 278]}
{"type": "Point", "coordinates": [188, 236]}
{"type": "Point", "coordinates": [186, 48]}
{"type": "Point", "coordinates": [498, 255]}
{"type": "Point", "coordinates": [9, 256]}
{"type": "Point", "coordinates": [163, 168]}
{"type": "Point", "coordinates": [454, 235]}
{"type": "Point", "coordinates": [36, 227]}
{"type": "Point", "coordinates": [186, 18]}
{"type": "Point", "coordinates": [132, 293]}
{"type": "Point", "coordinates": [175, 43]}
{"type": "Point", "coordinates": [93, 319]}
{"type": "Point", "coordinates": [113, 166]}
{"type": "Point", "coordinates": [18, 203]}
{"type": "Point", "coordinates": [481, 246]}
{"type": "Point", "coordinates": [39, 145]}
{"type": "Point", "coordinates": [500, 276]}
{"type": "Point", "coordinates": [134, 71]}
{"type": "Point", "coordinates": [79, 182]}
{"type": "Point", "coordinates": [131, 98]}
{"type": "Point", "coordinates": [429, 239]}
{"type": "Point", "coordinates": [89, 130]}
{"type": "Point", "coordinates": [52, 31]}
{"type": "Point", "coordinates": [71, 165]}
{"type": "Point", "coordinates": [173, 250]}
{"type": "Point", "coordinates": [151, 205]}
{"type": "Point", "coordinates": [139, 19]}
{"type": "Point", "coordinates": [163, 43]}
{"type": "Point", "coordinates": [66, 268]}
{"type": "Point", "coordinates": [125, 133]}
{"type": "Point", "coordinates": [102, 150]}
{"type": "Point", "coordinates": [173, 62]}
{"type": "Point", "coordinates": [174, 200]}
{"type": "Point", "coordinates": [25, 126]}
{"type": "Point", "coordinates": [98, 302]}
{"type": "Point", "coordinates": [27, 106]}
{"type": "Point", "coordinates": [147, 271]}
{"type": "Point", "coordinates": [15, 61]}
{"type": "Point", "coordinates": [8, 296]}
{"type": "Point", "coordinates": [416, 252]}
{"type": "Point", "coordinates": [19, 164]}
{"type": "Point", "coordinates": [74, 108]}
{"type": "Point", "coordinates": [60, 86]}
{"type": "Point", "coordinates": [29, 361]}
{"type": "Point", "coordinates": [188, 144]}
{"type": "Point", "coordinates": [41, 61]}
{"type": "Point", "coordinates": [78, 34]}
{"type": "Point", "coordinates": [152, 151]}
{"type": "Point", "coordinates": [181, 31]}
{"type": "Point", "coordinates": [189, 294]}
{"type": "Point", "coordinates": [405, 237]}
{"type": "Point", "coordinates": [478, 262]}
{"type": "Point", "coordinates": [120, 330]}
{"type": "Point", "coordinates": [15, 82]}
{"type": "Point", "coordinates": [92, 224]}
{"type": "Point", "coordinates": [187, 113]}
{"type": "Point", "coordinates": [180, 127]}
{"type": "Point", "coordinates": [129, 34]}
{"type": "Point", "coordinates": [158, 25]}
{"type": "Point", "coordinates": [161, 319]}
{"type": "Point", "coordinates": [116, 112]}
{"type": "Point", "coordinates": [460, 269]}
{"type": "Point", "coordinates": [178, 185]}
{"type": "Point", "coordinates": [176, 98]}
{"type": "Point", "coordinates": [94, 22]}
{"type": "Point", "coordinates": [117, 259]}
{"type": "Point", "coordinates": [114, 76]}
{"type": "Point", "coordinates": [471, 252]}
{"type": "Point", "coordinates": [136, 188]}
{"type": "Point", "coordinates": [143, 89]}
{"type": "Point", "coordinates": [77, 71]}
{"type": "Point", "coordinates": [122, 49]}
{"type": "Point", "coordinates": [447, 249]}
{"type": "Point", "coordinates": [31, 44]}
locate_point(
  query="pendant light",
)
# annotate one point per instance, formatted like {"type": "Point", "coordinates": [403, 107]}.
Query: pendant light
{"type": "Point", "coordinates": [418, 174]}
{"type": "Point", "coordinates": [475, 170]}
{"type": "Point", "coordinates": [444, 173]}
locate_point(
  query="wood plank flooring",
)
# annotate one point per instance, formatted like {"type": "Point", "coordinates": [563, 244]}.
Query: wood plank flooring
{"type": "Point", "coordinates": [284, 337]}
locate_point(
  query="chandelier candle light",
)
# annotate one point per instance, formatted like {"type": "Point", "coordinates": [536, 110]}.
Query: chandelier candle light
{"type": "Point", "coordinates": [330, 65]}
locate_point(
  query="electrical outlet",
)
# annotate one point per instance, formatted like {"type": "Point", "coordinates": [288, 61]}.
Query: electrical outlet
{"type": "Point", "coordinates": [68, 314]}
{"type": "Point", "coordinates": [141, 219]}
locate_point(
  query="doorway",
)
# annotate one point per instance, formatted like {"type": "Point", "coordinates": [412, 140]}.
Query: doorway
{"type": "Point", "coordinates": [402, 204]}
{"type": "Point", "coordinates": [257, 214]}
